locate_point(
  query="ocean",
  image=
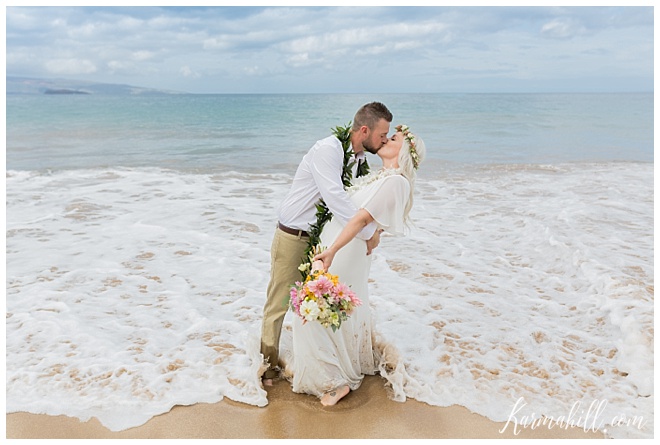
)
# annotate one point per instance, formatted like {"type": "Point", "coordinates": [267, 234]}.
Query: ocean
{"type": "Point", "coordinates": [138, 231]}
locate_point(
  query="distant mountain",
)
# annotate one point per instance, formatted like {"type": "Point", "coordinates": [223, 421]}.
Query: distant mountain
{"type": "Point", "coordinates": [27, 85]}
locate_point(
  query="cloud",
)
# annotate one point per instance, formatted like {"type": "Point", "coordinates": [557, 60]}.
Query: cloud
{"type": "Point", "coordinates": [116, 66]}
{"type": "Point", "coordinates": [562, 29]}
{"type": "Point", "coordinates": [70, 67]}
{"type": "Point", "coordinates": [299, 59]}
{"type": "Point", "coordinates": [385, 36]}
{"type": "Point", "coordinates": [252, 70]}
{"type": "Point", "coordinates": [214, 49]}
{"type": "Point", "coordinates": [142, 55]}
{"type": "Point", "coordinates": [216, 43]}
{"type": "Point", "coordinates": [186, 71]}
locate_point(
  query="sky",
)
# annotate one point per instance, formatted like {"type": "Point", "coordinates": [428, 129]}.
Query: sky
{"type": "Point", "coordinates": [337, 49]}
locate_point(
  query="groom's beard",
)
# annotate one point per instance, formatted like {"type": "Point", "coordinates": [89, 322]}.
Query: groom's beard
{"type": "Point", "coordinates": [370, 148]}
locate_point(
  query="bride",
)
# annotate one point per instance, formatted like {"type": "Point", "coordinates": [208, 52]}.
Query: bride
{"type": "Point", "coordinates": [326, 363]}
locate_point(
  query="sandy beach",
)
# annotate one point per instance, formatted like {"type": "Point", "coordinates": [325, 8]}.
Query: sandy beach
{"type": "Point", "coordinates": [363, 414]}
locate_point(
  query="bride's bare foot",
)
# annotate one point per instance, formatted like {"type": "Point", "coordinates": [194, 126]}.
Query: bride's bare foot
{"type": "Point", "coordinates": [332, 397]}
{"type": "Point", "coordinates": [267, 382]}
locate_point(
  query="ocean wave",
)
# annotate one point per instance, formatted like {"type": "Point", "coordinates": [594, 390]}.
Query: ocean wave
{"type": "Point", "coordinates": [132, 290]}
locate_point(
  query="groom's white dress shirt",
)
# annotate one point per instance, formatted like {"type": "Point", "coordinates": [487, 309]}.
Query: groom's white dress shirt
{"type": "Point", "coordinates": [319, 175]}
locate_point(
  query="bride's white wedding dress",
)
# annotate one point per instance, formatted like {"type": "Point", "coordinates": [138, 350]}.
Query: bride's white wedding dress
{"type": "Point", "coordinates": [324, 360]}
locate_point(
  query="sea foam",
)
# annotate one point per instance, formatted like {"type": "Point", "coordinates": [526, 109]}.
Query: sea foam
{"type": "Point", "coordinates": [130, 291]}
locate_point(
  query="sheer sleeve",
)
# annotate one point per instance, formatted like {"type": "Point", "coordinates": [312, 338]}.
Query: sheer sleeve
{"type": "Point", "coordinates": [388, 202]}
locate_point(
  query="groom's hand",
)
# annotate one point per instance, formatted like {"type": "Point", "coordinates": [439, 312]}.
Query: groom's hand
{"type": "Point", "coordinates": [374, 241]}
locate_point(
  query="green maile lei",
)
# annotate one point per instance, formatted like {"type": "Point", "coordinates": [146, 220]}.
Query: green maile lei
{"type": "Point", "coordinates": [323, 214]}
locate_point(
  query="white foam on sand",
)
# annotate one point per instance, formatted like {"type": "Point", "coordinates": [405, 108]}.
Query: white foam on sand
{"type": "Point", "coordinates": [131, 291]}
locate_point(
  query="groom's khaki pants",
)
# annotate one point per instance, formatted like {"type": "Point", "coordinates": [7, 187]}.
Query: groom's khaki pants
{"type": "Point", "coordinates": [286, 254]}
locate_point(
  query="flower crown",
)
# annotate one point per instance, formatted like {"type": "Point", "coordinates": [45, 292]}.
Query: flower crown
{"type": "Point", "coordinates": [410, 137]}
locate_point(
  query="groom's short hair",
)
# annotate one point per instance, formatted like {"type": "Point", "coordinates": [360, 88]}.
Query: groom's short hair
{"type": "Point", "coordinates": [370, 114]}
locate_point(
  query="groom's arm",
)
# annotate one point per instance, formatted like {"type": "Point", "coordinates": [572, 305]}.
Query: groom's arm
{"type": "Point", "coordinates": [326, 168]}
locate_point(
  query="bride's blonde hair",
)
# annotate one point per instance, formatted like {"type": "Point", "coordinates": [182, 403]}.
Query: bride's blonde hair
{"type": "Point", "coordinates": [409, 163]}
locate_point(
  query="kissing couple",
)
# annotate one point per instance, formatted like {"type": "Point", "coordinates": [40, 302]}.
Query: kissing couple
{"type": "Point", "coordinates": [329, 363]}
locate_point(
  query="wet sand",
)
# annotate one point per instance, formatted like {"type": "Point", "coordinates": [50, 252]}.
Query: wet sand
{"type": "Point", "coordinates": [365, 413]}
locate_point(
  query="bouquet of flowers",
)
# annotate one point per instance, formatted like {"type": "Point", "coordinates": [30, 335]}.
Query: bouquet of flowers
{"type": "Point", "coordinates": [321, 297]}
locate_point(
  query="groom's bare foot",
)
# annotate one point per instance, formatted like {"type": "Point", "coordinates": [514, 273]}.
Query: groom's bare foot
{"type": "Point", "coordinates": [332, 397]}
{"type": "Point", "coordinates": [267, 382]}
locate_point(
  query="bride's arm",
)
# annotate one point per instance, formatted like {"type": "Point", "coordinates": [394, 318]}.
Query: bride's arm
{"type": "Point", "coordinates": [354, 226]}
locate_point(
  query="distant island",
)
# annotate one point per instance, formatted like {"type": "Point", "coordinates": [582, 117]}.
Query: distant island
{"type": "Point", "coordinates": [29, 85]}
{"type": "Point", "coordinates": [64, 91]}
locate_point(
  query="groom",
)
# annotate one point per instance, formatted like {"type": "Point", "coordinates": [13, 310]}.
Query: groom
{"type": "Point", "coordinates": [318, 176]}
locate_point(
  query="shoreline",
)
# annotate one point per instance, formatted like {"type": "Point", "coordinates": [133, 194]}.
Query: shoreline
{"type": "Point", "coordinates": [363, 414]}
{"type": "Point", "coordinates": [286, 171]}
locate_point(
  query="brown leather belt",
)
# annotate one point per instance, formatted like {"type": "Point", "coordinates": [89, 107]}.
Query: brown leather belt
{"type": "Point", "coordinates": [291, 231]}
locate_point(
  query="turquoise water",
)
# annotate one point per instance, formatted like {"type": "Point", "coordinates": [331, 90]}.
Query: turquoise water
{"type": "Point", "coordinates": [266, 133]}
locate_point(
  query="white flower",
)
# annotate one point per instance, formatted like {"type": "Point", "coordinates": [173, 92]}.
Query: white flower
{"type": "Point", "coordinates": [309, 310]}
{"type": "Point", "coordinates": [364, 181]}
{"type": "Point", "coordinates": [323, 312]}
